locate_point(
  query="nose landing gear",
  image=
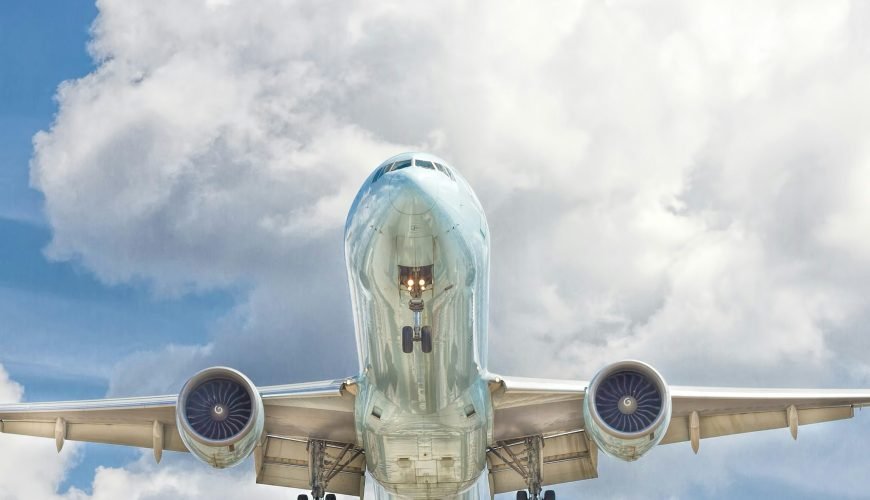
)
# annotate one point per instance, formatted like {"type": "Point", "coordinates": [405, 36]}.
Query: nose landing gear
{"type": "Point", "coordinates": [416, 280]}
{"type": "Point", "coordinates": [423, 335]}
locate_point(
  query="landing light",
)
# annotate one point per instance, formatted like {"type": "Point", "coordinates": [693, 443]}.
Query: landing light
{"type": "Point", "coordinates": [422, 282]}
{"type": "Point", "coordinates": [410, 283]}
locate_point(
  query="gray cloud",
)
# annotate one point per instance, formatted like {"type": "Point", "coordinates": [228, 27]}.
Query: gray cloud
{"type": "Point", "coordinates": [679, 182]}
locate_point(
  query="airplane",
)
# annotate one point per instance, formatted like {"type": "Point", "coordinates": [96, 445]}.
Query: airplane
{"type": "Point", "coordinates": [424, 418]}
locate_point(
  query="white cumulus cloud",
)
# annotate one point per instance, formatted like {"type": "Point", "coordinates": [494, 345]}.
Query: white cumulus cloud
{"type": "Point", "coordinates": [682, 182]}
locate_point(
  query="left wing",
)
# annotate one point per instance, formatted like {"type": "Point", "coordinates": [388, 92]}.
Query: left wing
{"type": "Point", "coordinates": [294, 414]}
{"type": "Point", "coordinates": [553, 409]}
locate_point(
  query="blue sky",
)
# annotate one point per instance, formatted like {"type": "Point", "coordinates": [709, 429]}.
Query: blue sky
{"type": "Point", "coordinates": [45, 304]}
{"type": "Point", "coordinates": [43, 43]}
{"type": "Point", "coordinates": [694, 175]}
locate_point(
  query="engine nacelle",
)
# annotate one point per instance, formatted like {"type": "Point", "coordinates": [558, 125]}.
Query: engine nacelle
{"type": "Point", "coordinates": [627, 409]}
{"type": "Point", "coordinates": [220, 416]}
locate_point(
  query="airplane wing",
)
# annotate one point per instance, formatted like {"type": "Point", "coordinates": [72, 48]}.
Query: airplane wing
{"type": "Point", "coordinates": [294, 414]}
{"type": "Point", "coordinates": [553, 409]}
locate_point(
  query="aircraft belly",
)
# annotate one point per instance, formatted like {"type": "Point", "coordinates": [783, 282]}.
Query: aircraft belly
{"type": "Point", "coordinates": [426, 456]}
{"type": "Point", "coordinates": [424, 418]}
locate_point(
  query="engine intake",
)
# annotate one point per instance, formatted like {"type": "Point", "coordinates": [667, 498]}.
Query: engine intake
{"type": "Point", "coordinates": [220, 416]}
{"type": "Point", "coordinates": [627, 409]}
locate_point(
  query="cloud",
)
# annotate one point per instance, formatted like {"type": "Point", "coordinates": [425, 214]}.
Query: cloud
{"type": "Point", "coordinates": [31, 468]}
{"type": "Point", "coordinates": [682, 183]}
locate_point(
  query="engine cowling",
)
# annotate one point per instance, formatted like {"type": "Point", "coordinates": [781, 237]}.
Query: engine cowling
{"type": "Point", "coordinates": [627, 409]}
{"type": "Point", "coordinates": [220, 416]}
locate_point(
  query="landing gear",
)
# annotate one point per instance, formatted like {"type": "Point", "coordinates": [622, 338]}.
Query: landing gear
{"type": "Point", "coordinates": [423, 335]}
{"type": "Point", "coordinates": [407, 340]}
{"type": "Point", "coordinates": [528, 463]}
{"type": "Point", "coordinates": [322, 468]}
{"type": "Point", "coordinates": [426, 339]}
{"type": "Point", "coordinates": [416, 333]}
{"type": "Point", "coordinates": [416, 280]}
{"type": "Point", "coordinates": [548, 495]}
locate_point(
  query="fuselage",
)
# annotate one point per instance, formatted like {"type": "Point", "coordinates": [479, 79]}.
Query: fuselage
{"type": "Point", "coordinates": [417, 231]}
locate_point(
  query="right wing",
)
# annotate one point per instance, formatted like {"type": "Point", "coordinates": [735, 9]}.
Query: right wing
{"type": "Point", "coordinates": [553, 409]}
{"type": "Point", "coordinates": [294, 414]}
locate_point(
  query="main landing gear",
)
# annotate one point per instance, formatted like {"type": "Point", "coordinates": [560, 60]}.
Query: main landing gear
{"type": "Point", "coordinates": [528, 464]}
{"type": "Point", "coordinates": [323, 467]}
{"type": "Point", "coordinates": [523, 495]}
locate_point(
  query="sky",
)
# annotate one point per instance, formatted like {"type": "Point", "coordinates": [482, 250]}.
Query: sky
{"type": "Point", "coordinates": [678, 182]}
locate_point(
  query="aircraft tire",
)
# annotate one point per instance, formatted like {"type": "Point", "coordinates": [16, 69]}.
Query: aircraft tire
{"type": "Point", "coordinates": [426, 339]}
{"type": "Point", "coordinates": [549, 495]}
{"type": "Point", "coordinates": [330, 496]}
{"type": "Point", "coordinates": [523, 495]}
{"type": "Point", "coordinates": [407, 340]}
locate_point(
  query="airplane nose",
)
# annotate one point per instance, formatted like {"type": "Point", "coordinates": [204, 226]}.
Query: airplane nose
{"type": "Point", "coordinates": [408, 195]}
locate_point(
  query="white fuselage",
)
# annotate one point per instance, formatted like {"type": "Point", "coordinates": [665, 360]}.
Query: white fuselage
{"type": "Point", "coordinates": [424, 419]}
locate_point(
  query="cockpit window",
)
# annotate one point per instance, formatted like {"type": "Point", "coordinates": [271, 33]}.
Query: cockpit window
{"type": "Point", "coordinates": [446, 171]}
{"type": "Point", "coordinates": [381, 172]}
{"type": "Point", "coordinates": [399, 165]}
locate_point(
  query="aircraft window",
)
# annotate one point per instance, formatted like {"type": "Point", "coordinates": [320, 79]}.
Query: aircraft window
{"type": "Point", "coordinates": [424, 164]}
{"type": "Point", "coordinates": [381, 171]}
{"type": "Point", "coordinates": [446, 171]}
{"type": "Point", "coordinates": [399, 165]}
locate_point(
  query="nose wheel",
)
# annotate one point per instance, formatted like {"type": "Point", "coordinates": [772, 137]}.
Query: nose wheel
{"type": "Point", "coordinates": [417, 332]}
{"type": "Point", "coordinates": [411, 335]}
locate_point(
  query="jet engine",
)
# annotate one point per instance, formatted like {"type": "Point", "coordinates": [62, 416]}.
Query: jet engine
{"type": "Point", "coordinates": [220, 416]}
{"type": "Point", "coordinates": [627, 409]}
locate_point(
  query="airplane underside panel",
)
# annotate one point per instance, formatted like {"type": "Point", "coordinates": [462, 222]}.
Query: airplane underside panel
{"type": "Point", "coordinates": [479, 491]}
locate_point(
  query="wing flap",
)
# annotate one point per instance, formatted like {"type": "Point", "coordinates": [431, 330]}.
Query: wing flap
{"type": "Point", "coordinates": [739, 423]}
{"type": "Point", "coordinates": [140, 435]}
